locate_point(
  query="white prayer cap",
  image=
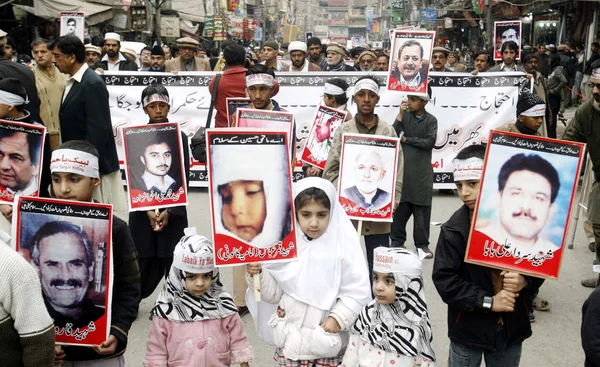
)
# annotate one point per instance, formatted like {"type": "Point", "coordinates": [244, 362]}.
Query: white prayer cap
{"type": "Point", "coordinates": [129, 52]}
{"type": "Point", "coordinates": [112, 36]}
{"type": "Point", "coordinates": [297, 46]}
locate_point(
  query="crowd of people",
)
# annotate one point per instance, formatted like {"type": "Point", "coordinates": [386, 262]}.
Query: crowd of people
{"type": "Point", "coordinates": [366, 311]}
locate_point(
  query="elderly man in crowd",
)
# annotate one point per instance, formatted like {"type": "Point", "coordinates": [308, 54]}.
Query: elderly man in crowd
{"type": "Point", "coordinates": [439, 57]}
{"type": "Point", "coordinates": [367, 61]}
{"type": "Point", "coordinates": [299, 63]}
{"type": "Point", "coordinates": [268, 55]}
{"type": "Point", "coordinates": [453, 64]}
{"type": "Point", "coordinates": [114, 60]}
{"type": "Point", "coordinates": [335, 58]}
{"type": "Point", "coordinates": [92, 54]}
{"type": "Point", "coordinates": [187, 60]}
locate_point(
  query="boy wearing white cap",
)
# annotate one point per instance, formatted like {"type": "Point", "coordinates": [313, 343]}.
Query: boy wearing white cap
{"type": "Point", "coordinates": [299, 63]}
{"type": "Point", "coordinates": [114, 60]}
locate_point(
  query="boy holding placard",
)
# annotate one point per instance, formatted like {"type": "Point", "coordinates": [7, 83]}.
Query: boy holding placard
{"type": "Point", "coordinates": [486, 317]}
{"type": "Point", "coordinates": [75, 175]}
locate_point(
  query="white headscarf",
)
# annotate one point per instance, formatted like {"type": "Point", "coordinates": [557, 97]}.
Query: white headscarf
{"type": "Point", "coordinates": [330, 267]}
{"type": "Point", "coordinates": [266, 163]}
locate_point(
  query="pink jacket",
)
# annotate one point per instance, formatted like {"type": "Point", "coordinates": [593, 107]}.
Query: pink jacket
{"type": "Point", "coordinates": [210, 343]}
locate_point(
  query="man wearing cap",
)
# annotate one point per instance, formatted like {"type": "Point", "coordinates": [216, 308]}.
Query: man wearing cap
{"type": "Point", "coordinates": [453, 64]}
{"type": "Point", "coordinates": [92, 54]}
{"type": "Point", "coordinates": [157, 60]}
{"type": "Point", "coordinates": [367, 61]}
{"type": "Point", "coordinates": [114, 60]}
{"type": "Point", "coordinates": [315, 54]}
{"type": "Point", "coordinates": [540, 86]}
{"type": "Point", "coordinates": [298, 56]}
{"type": "Point", "coordinates": [366, 96]}
{"type": "Point", "coordinates": [335, 58]}
{"type": "Point", "coordinates": [439, 58]}
{"type": "Point", "coordinates": [268, 55]}
{"type": "Point", "coordinates": [583, 128]}
{"type": "Point", "coordinates": [187, 60]}
{"type": "Point", "coordinates": [50, 83]}
{"type": "Point", "coordinates": [354, 54]}
{"type": "Point", "coordinates": [85, 115]}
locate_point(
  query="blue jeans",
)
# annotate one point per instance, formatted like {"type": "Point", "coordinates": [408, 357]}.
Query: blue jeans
{"type": "Point", "coordinates": [371, 243]}
{"type": "Point", "coordinates": [461, 356]}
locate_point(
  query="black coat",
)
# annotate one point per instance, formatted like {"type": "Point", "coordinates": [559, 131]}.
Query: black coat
{"type": "Point", "coordinates": [127, 65]}
{"type": "Point", "coordinates": [10, 69]}
{"type": "Point", "coordinates": [590, 326]}
{"type": "Point", "coordinates": [85, 115]}
{"type": "Point", "coordinates": [462, 286]}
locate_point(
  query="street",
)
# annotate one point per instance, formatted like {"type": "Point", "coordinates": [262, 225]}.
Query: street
{"type": "Point", "coordinates": [556, 338]}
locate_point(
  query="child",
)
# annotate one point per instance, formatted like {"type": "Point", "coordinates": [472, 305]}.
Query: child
{"type": "Point", "coordinates": [487, 316]}
{"type": "Point", "coordinates": [69, 183]}
{"type": "Point", "coordinates": [393, 330]}
{"type": "Point", "coordinates": [320, 295]}
{"type": "Point", "coordinates": [195, 322]}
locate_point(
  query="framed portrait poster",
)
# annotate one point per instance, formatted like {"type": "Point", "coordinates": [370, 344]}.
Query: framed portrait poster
{"type": "Point", "coordinates": [409, 61]}
{"type": "Point", "coordinates": [232, 105]}
{"type": "Point", "coordinates": [321, 134]}
{"type": "Point", "coordinates": [507, 31]}
{"type": "Point", "coordinates": [21, 159]}
{"type": "Point", "coordinates": [56, 234]}
{"type": "Point", "coordinates": [367, 183]}
{"type": "Point", "coordinates": [72, 24]}
{"type": "Point", "coordinates": [154, 166]}
{"type": "Point", "coordinates": [250, 189]}
{"type": "Point", "coordinates": [521, 218]}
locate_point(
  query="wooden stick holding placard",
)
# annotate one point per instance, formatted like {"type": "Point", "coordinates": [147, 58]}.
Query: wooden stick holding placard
{"type": "Point", "coordinates": [359, 230]}
{"type": "Point", "coordinates": [256, 278]}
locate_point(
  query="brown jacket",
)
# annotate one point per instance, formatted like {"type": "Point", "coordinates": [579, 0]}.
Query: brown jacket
{"type": "Point", "coordinates": [458, 67]}
{"type": "Point", "coordinates": [176, 64]}
{"type": "Point", "coordinates": [311, 67]}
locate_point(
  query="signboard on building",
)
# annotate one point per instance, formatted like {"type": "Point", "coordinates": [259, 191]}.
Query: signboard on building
{"type": "Point", "coordinates": [428, 15]}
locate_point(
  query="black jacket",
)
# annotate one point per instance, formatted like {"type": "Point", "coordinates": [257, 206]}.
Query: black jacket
{"type": "Point", "coordinates": [590, 326]}
{"type": "Point", "coordinates": [85, 115]}
{"type": "Point", "coordinates": [462, 286]}
{"type": "Point", "coordinates": [10, 69]}
{"type": "Point", "coordinates": [127, 65]}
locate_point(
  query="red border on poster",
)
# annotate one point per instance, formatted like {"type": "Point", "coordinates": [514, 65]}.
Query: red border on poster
{"type": "Point", "coordinates": [482, 250]}
{"type": "Point", "coordinates": [399, 37]}
{"type": "Point", "coordinates": [233, 103]}
{"type": "Point", "coordinates": [497, 54]}
{"type": "Point", "coordinates": [322, 133]}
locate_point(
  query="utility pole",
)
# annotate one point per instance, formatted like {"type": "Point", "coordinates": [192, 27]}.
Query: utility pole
{"type": "Point", "coordinates": [489, 24]}
{"type": "Point", "coordinates": [157, 4]}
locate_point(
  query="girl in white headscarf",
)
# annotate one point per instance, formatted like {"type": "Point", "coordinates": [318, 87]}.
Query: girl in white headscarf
{"type": "Point", "coordinates": [319, 296]}
{"type": "Point", "coordinates": [193, 294]}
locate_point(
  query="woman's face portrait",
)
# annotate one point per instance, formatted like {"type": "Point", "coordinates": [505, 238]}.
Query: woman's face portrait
{"type": "Point", "coordinates": [244, 208]}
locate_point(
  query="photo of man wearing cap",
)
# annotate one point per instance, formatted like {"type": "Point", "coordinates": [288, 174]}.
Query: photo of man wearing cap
{"type": "Point", "coordinates": [187, 59]}
{"type": "Point", "coordinates": [298, 52]}
{"type": "Point", "coordinates": [114, 59]}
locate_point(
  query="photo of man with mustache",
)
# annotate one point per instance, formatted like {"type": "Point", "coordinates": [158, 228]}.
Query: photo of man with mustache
{"type": "Point", "coordinates": [527, 186]}
{"type": "Point", "coordinates": [63, 256]}
{"type": "Point", "coordinates": [408, 69]}
{"type": "Point", "coordinates": [369, 171]}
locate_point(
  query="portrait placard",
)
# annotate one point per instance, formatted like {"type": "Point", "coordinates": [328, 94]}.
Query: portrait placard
{"type": "Point", "coordinates": [264, 119]}
{"type": "Point", "coordinates": [232, 105]}
{"type": "Point", "coordinates": [321, 134]}
{"type": "Point", "coordinates": [250, 189]}
{"type": "Point", "coordinates": [507, 31]}
{"type": "Point", "coordinates": [409, 61]}
{"type": "Point", "coordinates": [21, 157]}
{"type": "Point", "coordinates": [522, 214]}
{"type": "Point", "coordinates": [72, 24]}
{"type": "Point", "coordinates": [54, 235]}
{"type": "Point", "coordinates": [155, 167]}
{"type": "Point", "coordinates": [367, 183]}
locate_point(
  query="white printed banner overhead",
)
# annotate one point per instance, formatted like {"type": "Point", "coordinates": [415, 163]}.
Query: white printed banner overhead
{"type": "Point", "coordinates": [467, 108]}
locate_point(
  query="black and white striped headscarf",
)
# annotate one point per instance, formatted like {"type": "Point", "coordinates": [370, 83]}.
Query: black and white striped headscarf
{"type": "Point", "coordinates": [175, 303]}
{"type": "Point", "coordinates": [402, 327]}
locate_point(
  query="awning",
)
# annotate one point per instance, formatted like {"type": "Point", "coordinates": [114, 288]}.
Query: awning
{"type": "Point", "coordinates": [191, 9]}
{"type": "Point", "coordinates": [50, 9]}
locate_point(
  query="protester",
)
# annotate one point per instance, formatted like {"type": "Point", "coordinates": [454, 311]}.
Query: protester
{"type": "Point", "coordinates": [354, 54]}
{"type": "Point", "coordinates": [438, 59]}
{"type": "Point", "coordinates": [284, 48]}
{"type": "Point", "coordinates": [531, 110]}
{"type": "Point", "coordinates": [453, 64]}
{"type": "Point", "coordinates": [394, 328]}
{"type": "Point", "coordinates": [367, 60]}
{"type": "Point", "coordinates": [114, 60]}
{"type": "Point", "coordinates": [417, 129]}
{"type": "Point", "coordinates": [269, 56]}
{"type": "Point", "coordinates": [590, 325]}
{"type": "Point", "coordinates": [383, 62]}
{"type": "Point", "coordinates": [157, 60]}
{"type": "Point", "coordinates": [193, 305]}
{"type": "Point", "coordinates": [335, 58]}
{"type": "Point", "coordinates": [483, 61]}
{"type": "Point", "coordinates": [130, 53]}
{"type": "Point", "coordinates": [509, 52]}
{"type": "Point", "coordinates": [335, 95]}
{"type": "Point", "coordinates": [366, 96]}
{"type": "Point", "coordinates": [26, 328]}
{"type": "Point", "coordinates": [145, 55]}
{"type": "Point", "coordinates": [576, 92]}
{"type": "Point", "coordinates": [556, 82]}
{"type": "Point", "coordinates": [187, 60]}
{"type": "Point", "coordinates": [232, 83]}
{"type": "Point", "coordinates": [315, 53]}
{"type": "Point", "coordinates": [76, 181]}
{"type": "Point", "coordinates": [328, 253]}
{"type": "Point", "coordinates": [299, 63]}
{"type": "Point", "coordinates": [540, 88]}
{"type": "Point", "coordinates": [92, 54]}
{"type": "Point", "coordinates": [486, 317]}
{"type": "Point", "coordinates": [167, 51]}
{"type": "Point", "coordinates": [50, 83]}
{"type": "Point", "coordinates": [10, 50]}
{"type": "Point", "coordinates": [156, 232]}
{"type": "Point", "coordinates": [586, 90]}
{"type": "Point", "coordinates": [85, 115]}
{"type": "Point", "coordinates": [569, 64]}
{"type": "Point", "coordinates": [581, 129]}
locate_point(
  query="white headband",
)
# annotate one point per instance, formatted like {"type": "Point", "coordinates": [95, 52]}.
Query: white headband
{"type": "Point", "coordinates": [74, 161]}
{"type": "Point", "coordinates": [396, 260]}
{"type": "Point", "coordinates": [468, 169]}
{"type": "Point", "coordinates": [535, 111]}
{"type": "Point", "coordinates": [333, 90]}
{"type": "Point", "coordinates": [155, 98]}
{"type": "Point", "coordinates": [11, 99]}
{"type": "Point", "coordinates": [256, 79]}
{"type": "Point", "coordinates": [367, 84]}
{"type": "Point", "coordinates": [596, 73]}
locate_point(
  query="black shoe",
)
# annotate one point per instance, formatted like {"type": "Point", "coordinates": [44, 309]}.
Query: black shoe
{"type": "Point", "coordinates": [589, 283]}
{"type": "Point", "coordinates": [397, 244]}
{"type": "Point", "coordinates": [242, 311]}
{"type": "Point", "coordinates": [592, 246]}
{"type": "Point", "coordinates": [531, 317]}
